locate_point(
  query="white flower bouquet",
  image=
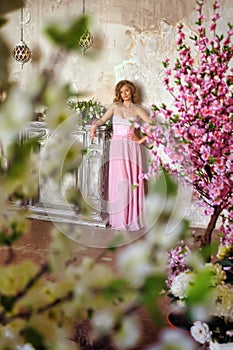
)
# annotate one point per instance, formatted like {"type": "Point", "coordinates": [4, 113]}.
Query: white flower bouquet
{"type": "Point", "coordinates": [90, 110]}
{"type": "Point", "coordinates": [204, 291]}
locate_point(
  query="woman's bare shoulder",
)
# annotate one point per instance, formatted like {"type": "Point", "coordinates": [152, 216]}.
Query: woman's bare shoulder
{"type": "Point", "coordinates": [112, 106]}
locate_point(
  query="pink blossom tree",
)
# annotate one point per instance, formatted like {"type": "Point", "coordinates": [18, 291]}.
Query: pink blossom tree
{"type": "Point", "coordinates": [196, 132]}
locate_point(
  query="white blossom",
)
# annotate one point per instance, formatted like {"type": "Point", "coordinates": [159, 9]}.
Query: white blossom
{"type": "Point", "coordinates": [181, 284]}
{"type": "Point", "coordinates": [60, 153]}
{"type": "Point", "coordinates": [128, 334]}
{"type": "Point", "coordinates": [103, 321]}
{"type": "Point", "coordinates": [15, 113]}
{"type": "Point", "coordinates": [175, 340]}
{"type": "Point", "coordinates": [25, 347]}
{"type": "Point", "coordinates": [200, 332]}
{"type": "Point", "coordinates": [59, 117]}
{"type": "Point", "coordinates": [134, 262]}
{"type": "Point", "coordinates": [223, 301]}
{"type": "Point", "coordinates": [220, 274]}
{"type": "Point", "coordinates": [10, 341]}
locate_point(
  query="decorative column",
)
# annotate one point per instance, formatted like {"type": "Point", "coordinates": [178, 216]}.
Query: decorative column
{"type": "Point", "coordinates": [95, 170]}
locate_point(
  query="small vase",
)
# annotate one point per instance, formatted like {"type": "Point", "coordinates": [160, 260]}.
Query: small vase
{"type": "Point", "coordinates": [218, 346]}
{"type": "Point", "coordinates": [179, 320]}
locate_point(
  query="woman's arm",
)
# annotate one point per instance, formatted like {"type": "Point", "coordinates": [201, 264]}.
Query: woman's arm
{"type": "Point", "coordinates": [107, 115]}
{"type": "Point", "coordinates": [135, 138]}
{"type": "Point", "coordinates": [144, 116]}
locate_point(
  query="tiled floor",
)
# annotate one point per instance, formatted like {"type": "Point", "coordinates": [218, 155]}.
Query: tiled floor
{"type": "Point", "coordinates": [88, 241]}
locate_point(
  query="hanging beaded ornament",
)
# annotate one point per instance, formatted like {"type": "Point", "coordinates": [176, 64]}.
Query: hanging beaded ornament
{"type": "Point", "coordinates": [86, 39]}
{"type": "Point", "coordinates": [21, 52]}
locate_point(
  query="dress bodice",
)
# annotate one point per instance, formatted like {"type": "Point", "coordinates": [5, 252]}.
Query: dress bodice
{"type": "Point", "coordinates": [121, 126]}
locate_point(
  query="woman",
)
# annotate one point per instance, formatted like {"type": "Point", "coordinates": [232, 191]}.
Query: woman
{"type": "Point", "coordinates": [126, 194]}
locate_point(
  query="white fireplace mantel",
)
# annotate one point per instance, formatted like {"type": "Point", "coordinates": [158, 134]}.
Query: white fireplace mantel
{"type": "Point", "coordinates": [91, 177]}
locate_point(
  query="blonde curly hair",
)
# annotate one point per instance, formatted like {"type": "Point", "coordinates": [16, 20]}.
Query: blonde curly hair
{"type": "Point", "coordinates": [133, 89]}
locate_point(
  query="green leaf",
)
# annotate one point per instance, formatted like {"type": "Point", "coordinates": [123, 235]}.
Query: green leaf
{"type": "Point", "coordinates": [32, 336]}
{"type": "Point", "coordinates": [115, 289]}
{"type": "Point", "coordinates": [175, 118]}
{"type": "Point", "coordinates": [18, 156]}
{"type": "Point", "coordinates": [68, 37]}
{"type": "Point", "coordinates": [177, 81]}
{"type": "Point", "coordinates": [193, 37]}
{"type": "Point", "coordinates": [211, 125]}
{"type": "Point", "coordinates": [212, 160]}
{"type": "Point", "coordinates": [177, 66]}
{"type": "Point", "coordinates": [9, 239]}
{"type": "Point", "coordinates": [163, 106]}
{"type": "Point", "coordinates": [209, 250]}
{"type": "Point", "coordinates": [201, 288]}
{"type": "Point", "coordinates": [165, 183]}
{"type": "Point", "coordinates": [215, 93]}
{"type": "Point", "coordinates": [7, 301]}
{"type": "Point", "coordinates": [150, 296]}
{"type": "Point", "coordinates": [154, 108]}
{"type": "Point", "coordinates": [198, 22]}
{"type": "Point", "coordinates": [112, 246]}
{"type": "Point", "coordinates": [220, 37]}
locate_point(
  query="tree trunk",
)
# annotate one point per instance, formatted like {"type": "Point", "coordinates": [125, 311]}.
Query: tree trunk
{"type": "Point", "coordinates": [206, 239]}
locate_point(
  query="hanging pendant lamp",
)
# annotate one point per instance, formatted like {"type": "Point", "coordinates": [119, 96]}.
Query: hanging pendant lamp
{"type": "Point", "coordinates": [86, 40]}
{"type": "Point", "coordinates": [22, 52]}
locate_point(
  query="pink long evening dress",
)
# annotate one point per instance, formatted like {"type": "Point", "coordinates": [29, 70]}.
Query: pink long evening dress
{"type": "Point", "coordinates": [126, 190]}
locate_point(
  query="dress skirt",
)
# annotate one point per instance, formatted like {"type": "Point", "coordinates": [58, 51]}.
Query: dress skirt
{"type": "Point", "coordinates": [126, 193]}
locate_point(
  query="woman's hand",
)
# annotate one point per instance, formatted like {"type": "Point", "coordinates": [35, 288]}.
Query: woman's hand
{"type": "Point", "coordinates": [131, 136]}
{"type": "Point", "coordinates": [93, 132]}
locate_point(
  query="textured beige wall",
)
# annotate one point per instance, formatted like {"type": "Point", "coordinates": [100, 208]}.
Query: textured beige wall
{"type": "Point", "coordinates": [131, 40]}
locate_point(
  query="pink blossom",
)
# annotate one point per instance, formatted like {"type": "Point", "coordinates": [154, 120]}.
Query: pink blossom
{"type": "Point", "coordinates": [227, 127]}
{"type": "Point", "coordinates": [208, 211]}
{"type": "Point", "coordinates": [180, 38]}
{"type": "Point", "coordinates": [213, 26]}
{"type": "Point", "coordinates": [216, 5]}
{"type": "Point", "coordinates": [201, 17]}
{"type": "Point", "coordinates": [168, 71]}
{"type": "Point", "coordinates": [198, 137]}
